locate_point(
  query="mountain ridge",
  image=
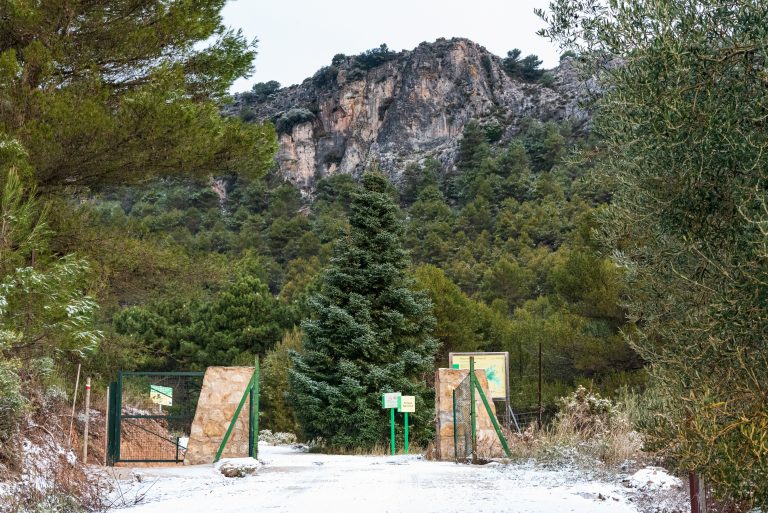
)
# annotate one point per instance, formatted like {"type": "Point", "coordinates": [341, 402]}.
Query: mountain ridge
{"type": "Point", "coordinates": [400, 108]}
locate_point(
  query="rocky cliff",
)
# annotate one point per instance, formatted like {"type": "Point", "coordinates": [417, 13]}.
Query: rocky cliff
{"type": "Point", "coordinates": [402, 108]}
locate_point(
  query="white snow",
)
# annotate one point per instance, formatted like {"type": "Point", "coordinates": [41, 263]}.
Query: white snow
{"type": "Point", "coordinates": [294, 481]}
{"type": "Point", "coordinates": [654, 478]}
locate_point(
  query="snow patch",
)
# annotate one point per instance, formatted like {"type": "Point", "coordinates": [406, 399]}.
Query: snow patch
{"type": "Point", "coordinates": [654, 479]}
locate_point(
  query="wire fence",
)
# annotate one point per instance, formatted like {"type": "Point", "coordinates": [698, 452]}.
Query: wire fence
{"type": "Point", "coordinates": [156, 414]}
{"type": "Point", "coordinates": [463, 420]}
{"type": "Point", "coordinates": [520, 421]}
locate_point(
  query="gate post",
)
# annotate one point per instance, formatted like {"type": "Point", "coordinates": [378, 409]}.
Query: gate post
{"type": "Point", "coordinates": [473, 413]}
{"type": "Point", "coordinates": [253, 424]}
{"type": "Point", "coordinates": [112, 424]}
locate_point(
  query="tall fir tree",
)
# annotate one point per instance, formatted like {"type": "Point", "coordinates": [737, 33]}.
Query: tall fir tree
{"type": "Point", "coordinates": [369, 333]}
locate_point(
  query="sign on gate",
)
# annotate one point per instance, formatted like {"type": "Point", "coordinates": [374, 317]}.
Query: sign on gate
{"type": "Point", "coordinates": [161, 395]}
{"type": "Point", "coordinates": [496, 366]}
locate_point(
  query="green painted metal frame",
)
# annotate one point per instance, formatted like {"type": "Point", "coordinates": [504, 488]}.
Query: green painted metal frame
{"type": "Point", "coordinates": [455, 434]}
{"type": "Point", "coordinates": [253, 385]}
{"type": "Point", "coordinates": [473, 413]}
{"type": "Point", "coordinates": [116, 414]}
{"type": "Point", "coordinates": [492, 417]}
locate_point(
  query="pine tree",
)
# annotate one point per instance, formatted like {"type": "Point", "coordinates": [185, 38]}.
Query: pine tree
{"type": "Point", "coordinates": [370, 333]}
{"type": "Point", "coordinates": [120, 92]}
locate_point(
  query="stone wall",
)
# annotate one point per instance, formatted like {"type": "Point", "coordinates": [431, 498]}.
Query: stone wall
{"type": "Point", "coordinates": [488, 445]}
{"type": "Point", "coordinates": [223, 387]}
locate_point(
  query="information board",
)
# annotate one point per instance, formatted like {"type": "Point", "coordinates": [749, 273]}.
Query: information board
{"type": "Point", "coordinates": [495, 365]}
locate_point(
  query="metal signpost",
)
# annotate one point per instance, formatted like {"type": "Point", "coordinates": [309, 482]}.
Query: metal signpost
{"type": "Point", "coordinates": [390, 401]}
{"type": "Point", "coordinates": [406, 405]}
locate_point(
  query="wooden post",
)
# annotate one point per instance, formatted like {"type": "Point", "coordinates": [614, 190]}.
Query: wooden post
{"type": "Point", "coordinates": [540, 405]}
{"type": "Point", "coordinates": [87, 419]}
{"type": "Point", "coordinates": [74, 402]}
{"type": "Point", "coordinates": [698, 493]}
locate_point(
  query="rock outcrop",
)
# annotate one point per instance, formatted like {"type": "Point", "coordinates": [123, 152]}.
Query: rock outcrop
{"type": "Point", "coordinates": [411, 106]}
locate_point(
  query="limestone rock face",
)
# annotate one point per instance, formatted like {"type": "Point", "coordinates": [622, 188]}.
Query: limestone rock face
{"type": "Point", "coordinates": [411, 107]}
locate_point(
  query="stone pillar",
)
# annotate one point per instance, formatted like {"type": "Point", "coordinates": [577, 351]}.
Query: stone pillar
{"type": "Point", "coordinates": [488, 445]}
{"type": "Point", "coordinates": [223, 387]}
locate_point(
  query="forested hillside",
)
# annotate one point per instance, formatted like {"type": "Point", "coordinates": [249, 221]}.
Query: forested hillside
{"type": "Point", "coordinates": [501, 244]}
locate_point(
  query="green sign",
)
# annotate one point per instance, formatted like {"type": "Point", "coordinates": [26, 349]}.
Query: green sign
{"type": "Point", "coordinates": [161, 395]}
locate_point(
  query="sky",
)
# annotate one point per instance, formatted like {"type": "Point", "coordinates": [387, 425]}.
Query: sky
{"type": "Point", "coordinates": [298, 37]}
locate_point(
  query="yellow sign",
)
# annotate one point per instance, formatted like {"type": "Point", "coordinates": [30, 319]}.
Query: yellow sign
{"type": "Point", "coordinates": [407, 404]}
{"type": "Point", "coordinates": [495, 366]}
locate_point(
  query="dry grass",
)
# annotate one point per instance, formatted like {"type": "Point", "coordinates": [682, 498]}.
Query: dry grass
{"type": "Point", "coordinates": [376, 450]}
{"type": "Point", "coordinates": [588, 428]}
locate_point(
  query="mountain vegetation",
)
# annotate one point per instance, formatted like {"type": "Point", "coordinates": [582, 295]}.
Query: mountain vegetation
{"type": "Point", "coordinates": [141, 228]}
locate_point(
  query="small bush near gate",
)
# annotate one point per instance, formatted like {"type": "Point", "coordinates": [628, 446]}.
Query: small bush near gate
{"type": "Point", "coordinates": [12, 407]}
{"type": "Point", "coordinates": [271, 438]}
{"type": "Point", "coordinates": [588, 427]}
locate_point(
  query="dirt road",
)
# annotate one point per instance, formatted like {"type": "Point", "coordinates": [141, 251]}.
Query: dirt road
{"type": "Point", "coordinates": [292, 481]}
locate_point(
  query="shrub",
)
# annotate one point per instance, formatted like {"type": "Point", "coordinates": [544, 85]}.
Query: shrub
{"type": "Point", "coordinates": [12, 405]}
{"type": "Point", "coordinates": [247, 114]}
{"type": "Point", "coordinates": [374, 57]}
{"type": "Point", "coordinates": [278, 412]}
{"type": "Point", "coordinates": [325, 76]}
{"type": "Point", "coordinates": [588, 427]}
{"type": "Point", "coordinates": [547, 79]}
{"type": "Point", "coordinates": [493, 132]}
{"type": "Point", "coordinates": [285, 123]}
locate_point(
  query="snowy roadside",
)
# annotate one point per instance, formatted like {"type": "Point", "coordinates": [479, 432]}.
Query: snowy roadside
{"type": "Point", "coordinates": [294, 481]}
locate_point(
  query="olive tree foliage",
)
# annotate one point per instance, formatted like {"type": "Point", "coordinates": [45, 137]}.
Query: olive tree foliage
{"type": "Point", "coordinates": [682, 117]}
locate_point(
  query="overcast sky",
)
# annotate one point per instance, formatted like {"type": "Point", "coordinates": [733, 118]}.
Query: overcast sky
{"type": "Point", "coordinates": [298, 37]}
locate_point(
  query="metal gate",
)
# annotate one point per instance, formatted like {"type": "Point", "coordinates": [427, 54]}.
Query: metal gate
{"type": "Point", "coordinates": [465, 417]}
{"type": "Point", "coordinates": [150, 416]}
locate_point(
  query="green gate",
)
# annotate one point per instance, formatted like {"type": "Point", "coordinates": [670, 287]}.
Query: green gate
{"type": "Point", "coordinates": [150, 416]}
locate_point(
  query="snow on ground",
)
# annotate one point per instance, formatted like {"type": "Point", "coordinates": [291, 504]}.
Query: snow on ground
{"type": "Point", "coordinates": [292, 481]}
{"type": "Point", "coordinates": [654, 478]}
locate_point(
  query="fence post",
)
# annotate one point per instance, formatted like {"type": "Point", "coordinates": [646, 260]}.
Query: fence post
{"type": "Point", "coordinates": [253, 435]}
{"type": "Point", "coordinates": [455, 434]}
{"type": "Point", "coordinates": [87, 419]}
{"type": "Point", "coordinates": [540, 406]}
{"type": "Point", "coordinates": [698, 492]}
{"type": "Point", "coordinates": [473, 413]}
{"type": "Point", "coordinates": [106, 431]}
{"type": "Point", "coordinates": [118, 414]}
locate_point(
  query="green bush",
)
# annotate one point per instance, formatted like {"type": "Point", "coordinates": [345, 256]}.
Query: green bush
{"type": "Point", "coordinates": [278, 412]}
{"type": "Point", "coordinates": [285, 123]}
{"type": "Point", "coordinates": [12, 403]}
